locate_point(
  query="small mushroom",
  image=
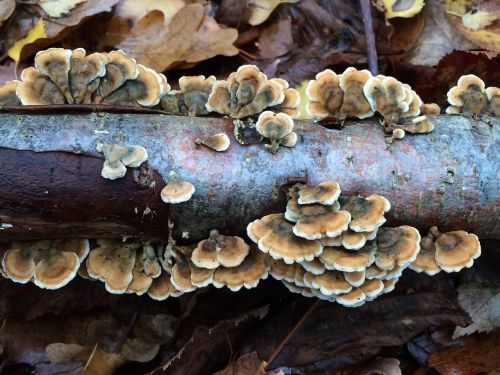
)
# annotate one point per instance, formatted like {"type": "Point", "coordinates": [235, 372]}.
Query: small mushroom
{"type": "Point", "coordinates": [325, 193]}
{"type": "Point", "coordinates": [389, 285]}
{"type": "Point", "coordinates": [349, 261]}
{"type": "Point", "coordinates": [373, 272]}
{"type": "Point", "coordinates": [396, 247]}
{"type": "Point", "coordinates": [418, 125]}
{"type": "Point", "coordinates": [356, 297]}
{"type": "Point", "coordinates": [493, 95]}
{"type": "Point", "coordinates": [269, 94]}
{"type": "Point", "coordinates": [430, 109]}
{"type": "Point", "coordinates": [173, 103]}
{"type": "Point", "coordinates": [386, 96]}
{"type": "Point", "coordinates": [219, 99]}
{"type": "Point", "coordinates": [140, 282]}
{"type": "Point", "coordinates": [304, 291]}
{"type": "Point", "coordinates": [355, 240]}
{"type": "Point", "coordinates": [283, 271]}
{"type": "Point", "coordinates": [219, 250]}
{"type": "Point", "coordinates": [469, 95]}
{"type": "Point", "coordinates": [275, 127]}
{"type": "Point", "coordinates": [291, 102]}
{"type": "Point", "coordinates": [181, 276]}
{"type": "Point", "coordinates": [452, 110]}
{"type": "Point", "coordinates": [367, 213]}
{"type": "Point", "coordinates": [162, 288]}
{"type": "Point", "coordinates": [8, 95]}
{"type": "Point", "coordinates": [247, 79]}
{"type": "Point", "coordinates": [275, 236]}
{"type": "Point", "coordinates": [331, 283]}
{"type": "Point", "coordinates": [397, 133]}
{"type": "Point", "coordinates": [195, 91]}
{"type": "Point", "coordinates": [329, 224]}
{"type": "Point", "coordinates": [455, 250]}
{"type": "Point", "coordinates": [414, 107]}
{"type": "Point", "coordinates": [255, 267]}
{"type": "Point", "coordinates": [217, 142]}
{"type": "Point", "coordinates": [117, 158]}
{"type": "Point", "coordinates": [84, 70]}
{"type": "Point", "coordinates": [201, 277]}
{"type": "Point", "coordinates": [355, 278]}
{"type": "Point", "coordinates": [395, 273]}
{"type": "Point", "coordinates": [113, 262]}
{"type": "Point", "coordinates": [354, 103]}
{"type": "Point", "coordinates": [36, 88]}
{"type": "Point", "coordinates": [315, 266]}
{"type": "Point", "coordinates": [150, 260]}
{"type": "Point", "coordinates": [372, 288]}
{"type": "Point", "coordinates": [56, 63]}
{"type": "Point", "coordinates": [324, 94]}
{"type": "Point", "coordinates": [176, 190]}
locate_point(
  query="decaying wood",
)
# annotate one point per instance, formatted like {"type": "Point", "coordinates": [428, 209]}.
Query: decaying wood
{"type": "Point", "coordinates": [50, 183]}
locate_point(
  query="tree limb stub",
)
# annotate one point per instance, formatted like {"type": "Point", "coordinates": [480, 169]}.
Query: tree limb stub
{"type": "Point", "coordinates": [51, 187]}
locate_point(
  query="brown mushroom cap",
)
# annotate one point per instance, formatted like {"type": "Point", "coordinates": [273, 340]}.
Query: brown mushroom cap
{"type": "Point", "coordinates": [217, 142]}
{"type": "Point", "coordinates": [373, 272]}
{"type": "Point", "coordinates": [314, 266]}
{"type": "Point", "coordinates": [329, 224]}
{"type": "Point", "coordinates": [415, 106]}
{"type": "Point", "coordinates": [8, 95]}
{"type": "Point", "coordinates": [354, 103]}
{"type": "Point", "coordinates": [118, 157]}
{"type": "Point", "coordinates": [331, 283]}
{"type": "Point", "coordinates": [217, 250]}
{"type": "Point", "coordinates": [389, 285]}
{"type": "Point", "coordinates": [177, 191]}
{"type": "Point", "coordinates": [295, 211]}
{"type": "Point", "coordinates": [452, 110]}
{"type": "Point", "coordinates": [201, 277]}
{"type": "Point", "coordinates": [418, 125]}
{"type": "Point", "coordinates": [279, 270]}
{"type": "Point", "coordinates": [152, 266]}
{"type": "Point", "coordinates": [493, 95]}
{"type": "Point", "coordinates": [56, 63]}
{"type": "Point", "coordinates": [291, 100]}
{"type": "Point", "coordinates": [367, 213]}
{"type": "Point", "coordinates": [254, 268]}
{"type": "Point", "coordinates": [249, 78]}
{"type": "Point", "coordinates": [469, 95]}
{"type": "Point", "coordinates": [162, 288]}
{"type": "Point", "coordinates": [219, 99]}
{"type": "Point", "coordinates": [396, 134]}
{"type": "Point", "coordinates": [456, 250]}
{"type": "Point", "coordinates": [19, 262]}
{"type": "Point", "coordinates": [56, 268]}
{"type": "Point", "coordinates": [425, 261]}
{"type": "Point", "coordinates": [397, 247]}
{"type": "Point", "coordinates": [196, 90]}
{"type": "Point", "coordinates": [355, 240]}
{"type": "Point", "coordinates": [386, 96]}
{"type": "Point", "coordinates": [430, 109]}
{"type": "Point", "coordinates": [289, 140]}
{"type": "Point", "coordinates": [325, 193]}
{"type": "Point", "coordinates": [372, 288]}
{"type": "Point", "coordinates": [349, 261]}
{"type": "Point", "coordinates": [181, 276]}
{"type": "Point", "coordinates": [269, 94]}
{"type": "Point", "coordinates": [113, 262]}
{"type": "Point", "coordinates": [275, 236]}
{"type": "Point", "coordinates": [84, 70]}
{"type": "Point", "coordinates": [38, 89]}
{"type": "Point", "coordinates": [325, 95]}
{"type": "Point", "coordinates": [274, 126]}
{"type": "Point", "coordinates": [356, 297]}
{"type": "Point", "coordinates": [355, 278]}
{"type": "Point", "coordinates": [140, 282]}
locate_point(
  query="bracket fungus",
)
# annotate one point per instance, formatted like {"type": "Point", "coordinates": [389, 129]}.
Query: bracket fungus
{"type": "Point", "coordinates": [36, 88]}
{"type": "Point", "coordinates": [469, 96]}
{"type": "Point", "coordinates": [354, 103]}
{"type": "Point", "coordinates": [337, 258]}
{"type": "Point", "coordinates": [277, 127]}
{"type": "Point", "coordinates": [117, 158]}
{"type": "Point", "coordinates": [325, 193]}
{"type": "Point", "coordinates": [218, 142]}
{"type": "Point", "coordinates": [430, 109]}
{"type": "Point", "coordinates": [386, 96]}
{"type": "Point", "coordinates": [176, 190]}
{"type": "Point", "coordinates": [162, 288]}
{"type": "Point", "coordinates": [191, 98]}
{"type": "Point", "coordinates": [367, 213]}
{"type": "Point", "coordinates": [324, 94]}
{"type": "Point", "coordinates": [493, 95]}
{"type": "Point", "coordinates": [8, 95]}
{"type": "Point", "coordinates": [50, 264]}
{"type": "Point", "coordinates": [84, 75]}
{"type": "Point", "coordinates": [55, 63]}
{"type": "Point", "coordinates": [396, 247]}
{"type": "Point", "coordinates": [219, 250]}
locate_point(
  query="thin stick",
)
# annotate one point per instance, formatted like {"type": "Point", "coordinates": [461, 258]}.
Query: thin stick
{"type": "Point", "coordinates": [56, 108]}
{"type": "Point", "coordinates": [371, 48]}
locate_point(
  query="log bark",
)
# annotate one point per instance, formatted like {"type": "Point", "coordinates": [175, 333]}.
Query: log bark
{"type": "Point", "coordinates": [50, 183]}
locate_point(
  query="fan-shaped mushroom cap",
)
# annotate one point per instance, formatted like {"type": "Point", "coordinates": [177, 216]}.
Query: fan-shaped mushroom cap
{"type": "Point", "coordinates": [113, 262]}
{"type": "Point", "coordinates": [355, 240]}
{"type": "Point", "coordinates": [38, 89]}
{"type": "Point", "coordinates": [325, 95]}
{"type": "Point", "coordinates": [140, 282]}
{"type": "Point", "coordinates": [349, 261]}
{"type": "Point", "coordinates": [117, 157]}
{"type": "Point", "coordinates": [181, 276]}
{"type": "Point", "coordinates": [493, 95]}
{"type": "Point", "coordinates": [386, 96]}
{"type": "Point", "coordinates": [367, 213]}
{"type": "Point", "coordinates": [430, 109]}
{"type": "Point", "coordinates": [248, 78]}
{"type": "Point", "coordinates": [372, 288]}
{"type": "Point", "coordinates": [56, 63]}
{"type": "Point", "coordinates": [217, 142]}
{"type": "Point", "coordinates": [19, 261]}
{"type": "Point", "coordinates": [469, 95]}
{"type": "Point", "coordinates": [389, 285]}
{"type": "Point", "coordinates": [280, 81]}
{"type": "Point", "coordinates": [354, 103]}
{"type": "Point", "coordinates": [162, 288]}
{"type": "Point", "coordinates": [279, 270]}
{"type": "Point", "coordinates": [152, 266]}
{"type": "Point", "coordinates": [329, 224]}
{"type": "Point", "coordinates": [452, 110]}
{"type": "Point", "coordinates": [425, 261]}
{"type": "Point", "coordinates": [396, 247]}
{"type": "Point", "coordinates": [219, 99]}
{"type": "Point", "coordinates": [356, 297]}
{"type": "Point", "coordinates": [396, 272]}
{"type": "Point", "coordinates": [294, 210]}
{"type": "Point", "coordinates": [355, 278]}
{"type": "Point", "coordinates": [415, 106]}
{"type": "Point", "coordinates": [275, 236]}
{"type": "Point", "coordinates": [201, 277]}
{"type": "Point", "coordinates": [456, 250]}
{"type": "Point", "coordinates": [55, 268]}
{"type": "Point", "coordinates": [418, 125]}
{"type": "Point", "coordinates": [254, 268]}
{"type": "Point", "coordinates": [217, 250]}
{"type": "Point", "coordinates": [331, 283]}
{"type": "Point", "coordinates": [314, 266]}
{"type": "Point", "coordinates": [373, 272]}
{"type": "Point", "coordinates": [269, 94]}
{"type": "Point", "coordinates": [397, 133]}
{"type": "Point", "coordinates": [177, 191]}
{"type": "Point", "coordinates": [84, 70]}
{"type": "Point", "coordinates": [325, 193]}
{"type": "Point", "coordinates": [408, 96]}
{"type": "Point", "coordinates": [196, 90]}
{"type": "Point", "coordinates": [289, 140]}
{"type": "Point", "coordinates": [274, 126]}
{"type": "Point", "coordinates": [8, 95]}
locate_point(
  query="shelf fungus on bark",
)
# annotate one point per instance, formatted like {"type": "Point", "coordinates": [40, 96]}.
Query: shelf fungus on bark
{"type": "Point", "coordinates": [84, 75]}
{"type": "Point", "coordinates": [278, 128]}
{"type": "Point", "coordinates": [290, 104]}
{"type": "Point", "coordinates": [218, 142]}
{"type": "Point", "coordinates": [118, 158]}
{"type": "Point", "coordinates": [219, 250]}
{"type": "Point", "coordinates": [324, 94]}
{"type": "Point", "coordinates": [430, 109]}
{"type": "Point", "coordinates": [493, 95]}
{"type": "Point", "coordinates": [176, 190]}
{"type": "Point", "coordinates": [469, 96]}
{"type": "Point", "coordinates": [396, 247]}
{"type": "Point", "coordinates": [387, 96]}
{"type": "Point", "coordinates": [354, 103]}
{"type": "Point", "coordinates": [338, 258]}
{"type": "Point", "coordinates": [192, 97]}
{"type": "Point", "coordinates": [50, 264]}
{"type": "Point", "coordinates": [367, 213]}
{"type": "Point", "coordinates": [162, 288]}
{"type": "Point", "coordinates": [8, 95]}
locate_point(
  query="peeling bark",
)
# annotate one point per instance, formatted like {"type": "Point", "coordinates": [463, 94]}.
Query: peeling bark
{"type": "Point", "coordinates": [50, 183]}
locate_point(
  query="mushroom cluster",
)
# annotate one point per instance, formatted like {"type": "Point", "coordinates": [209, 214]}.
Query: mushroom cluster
{"type": "Point", "coordinates": [471, 96]}
{"type": "Point", "coordinates": [118, 158]}
{"type": "Point", "coordinates": [71, 76]}
{"type": "Point", "coordinates": [450, 251]}
{"type": "Point", "coordinates": [191, 97]}
{"type": "Point", "coordinates": [333, 246]}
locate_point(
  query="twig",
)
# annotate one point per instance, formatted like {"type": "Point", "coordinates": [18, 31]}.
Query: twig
{"type": "Point", "coordinates": [57, 108]}
{"type": "Point", "coordinates": [277, 351]}
{"type": "Point", "coordinates": [371, 48]}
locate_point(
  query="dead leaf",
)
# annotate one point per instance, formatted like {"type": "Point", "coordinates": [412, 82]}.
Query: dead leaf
{"type": "Point", "coordinates": [190, 37]}
{"type": "Point", "coordinates": [476, 354]}
{"type": "Point", "coordinates": [247, 364]}
{"type": "Point", "coordinates": [102, 363]}
{"type": "Point", "coordinates": [60, 352]}
{"type": "Point", "coordinates": [37, 32]}
{"type": "Point", "coordinates": [7, 7]}
{"type": "Point", "coordinates": [58, 8]}
{"type": "Point", "coordinates": [276, 39]}
{"type": "Point", "coordinates": [381, 366]}
{"type": "Point", "coordinates": [482, 303]}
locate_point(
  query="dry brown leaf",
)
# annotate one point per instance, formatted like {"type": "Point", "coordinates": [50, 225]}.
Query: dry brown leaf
{"type": "Point", "coordinates": [102, 363]}
{"type": "Point", "coordinates": [190, 37]}
{"type": "Point", "coordinates": [381, 366]}
{"type": "Point", "coordinates": [276, 39]}
{"type": "Point", "coordinates": [6, 9]}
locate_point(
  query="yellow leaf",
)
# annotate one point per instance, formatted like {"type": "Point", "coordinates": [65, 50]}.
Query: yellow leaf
{"type": "Point", "coordinates": [57, 8]}
{"type": "Point", "coordinates": [34, 34]}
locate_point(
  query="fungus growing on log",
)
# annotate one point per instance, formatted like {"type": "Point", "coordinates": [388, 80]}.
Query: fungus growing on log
{"type": "Point", "coordinates": [219, 250]}
{"type": "Point", "coordinates": [162, 288]}
{"type": "Point", "coordinates": [324, 94]}
{"type": "Point", "coordinates": [386, 96]}
{"type": "Point", "coordinates": [430, 109]}
{"type": "Point", "coordinates": [367, 213]}
{"type": "Point", "coordinates": [348, 260]}
{"type": "Point", "coordinates": [176, 190]}
{"type": "Point", "coordinates": [84, 74]}
{"type": "Point", "coordinates": [354, 103]}
{"type": "Point", "coordinates": [469, 96]}
{"type": "Point", "coordinates": [493, 95]}
{"type": "Point", "coordinates": [325, 193]}
{"type": "Point", "coordinates": [55, 63]}
{"type": "Point", "coordinates": [455, 250]}
{"type": "Point", "coordinates": [290, 103]}
{"type": "Point", "coordinates": [36, 88]}
{"type": "Point", "coordinates": [217, 142]}
{"type": "Point", "coordinates": [277, 127]}
{"type": "Point", "coordinates": [331, 283]}
{"type": "Point", "coordinates": [192, 97]}
{"type": "Point", "coordinates": [396, 247]}
{"type": "Point", "coordinates": [219, 99]}
{"type": "Point", "coordinates": [356, 278]}
{"type": "Point", "coordinates": [8, 95]}
{"type": "Point", "coordinates": [396, 134]}
{"type": "Point", "coordinates": [117, 158]}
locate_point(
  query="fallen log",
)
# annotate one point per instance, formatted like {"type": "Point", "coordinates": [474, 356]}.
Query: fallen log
{"type": "Point", "coordinates": [51, 187]}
